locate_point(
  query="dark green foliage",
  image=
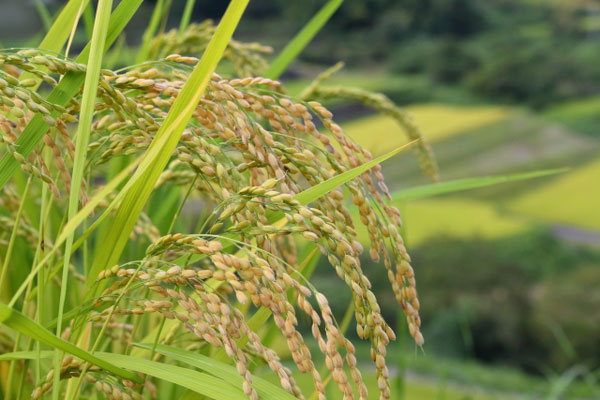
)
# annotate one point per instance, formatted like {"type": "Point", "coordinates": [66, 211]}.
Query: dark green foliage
{"type": "Point", "coordinates": [509, 308]}
{"type": "Point", "coordinates": [499, 310]}
{"type": "Point", "coordinates": [517, 75]}
{"type": "Point", "coordinates": [444, 60]}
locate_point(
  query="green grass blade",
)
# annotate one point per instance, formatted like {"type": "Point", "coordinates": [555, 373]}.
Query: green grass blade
{"type": "Point", "coordinates": [296, 45]}
{"type": "Point", "coordinates": [468, 183]}
{"type": "Point", "coordinates": [187, 15]}
{"type": "Point", "coordinates": [88, 20]}
{"type": "Point", "coordinates": [26, 355]}
{"type": "Point", "coordinates": [313, 193]}
{"type": "Point", "coordinates": [74, 222]}
{"type": "Point", "coordinates": [64, 92]}
{"type": "Point", "coordinates": [13, 237]}
{"type": "Point", "coordinates": [20, 323]}
{"type": "Point", "coordinates": [59, 32]}
{"type": "Point", "coordinates": [44, 14]}
{"type": "Point", "coordinates": [201, 383]}
{"type": "Point", "coordinates": [157, 13]}
{"type": "Point", "coordinates": [140, 187]}
{"type": "Point", "coordinates": [266, 390]}
{"type": "Point", "coordinates": [86, 114]}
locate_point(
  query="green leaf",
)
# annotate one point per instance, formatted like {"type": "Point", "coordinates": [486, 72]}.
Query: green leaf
{"type": "Point", "coordinates": [74, 222]}
{"type": "Point", "coordinates": [138, 189]}
{"type": "Point", "coordinates": [84, 127]}
{"type": "Point", "coordinates": [468, 183]}
{"type": "Point", "coordinates": [44, 14]}
{"type": "Point", "coordinates": [20, 323]}
{"type": "Point", "coordinates": [266, 390]}
{"type": "Point", "coordinates": [299, 42]}
{"type": "Point", "coordinates": [26, 355]}
{"type": "Point", "coordinates": [201, 383]}
{"type": "Point", "coordinates": [64, 92]}
{"type": "Point", "coordinates": [157, 14]}
{"type": "Point", "coordinates": [311, 194]}
{"type": "Point", "coordinates": [186, 16]}
{"type": "Point", "coordinates": [59, 32]}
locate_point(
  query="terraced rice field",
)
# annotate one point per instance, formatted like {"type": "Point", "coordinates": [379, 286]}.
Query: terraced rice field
{"type": "Point", "coordinates": [380, 134]}
{"type": "Point", "coordinates": [573, 199]}
{"type": "Point", "coordinates": [454, 217]}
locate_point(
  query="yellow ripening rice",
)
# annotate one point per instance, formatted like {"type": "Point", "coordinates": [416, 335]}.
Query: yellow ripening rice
{"type": "Point", "coordinates": [381, 134]}
{"type": "Point", "coordinates": [572, 199]}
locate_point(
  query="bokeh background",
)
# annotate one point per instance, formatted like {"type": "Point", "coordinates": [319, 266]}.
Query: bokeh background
{"type": "Point", "coordinates": [509, 276]}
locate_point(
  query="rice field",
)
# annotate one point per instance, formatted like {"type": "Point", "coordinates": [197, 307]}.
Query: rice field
{"type": "Point", "coordinates": [453, 217]}
{"type": "Point", "coordinates": [581, 115]}
{"type": "Point", "coordinates": [414, 386]}
{"type": "Point", "coordinates": [380, 134]}
{"type": "Point", "coordinates": [462, 218]}
{"type": "Point", "coordinates": [562, 200]}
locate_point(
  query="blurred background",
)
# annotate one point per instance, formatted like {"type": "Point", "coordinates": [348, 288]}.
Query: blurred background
{"type": "Point", "coordinates": [508, 276]}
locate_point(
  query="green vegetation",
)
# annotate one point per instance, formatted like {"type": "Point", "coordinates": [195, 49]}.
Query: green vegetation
{"type": "Point", "coordinates": [209, 279]}
{"type": "Point", "coordinates": [460, 218]}
{"type": "Point", "coordinates": [556, 202]}
{"type": "Point", "coordinates": [380, 134]}
{"type": "Point", "coordinates": [456, 218]}
{"type": "Point", "coordinates": [179, 234]}
{"type": "Point", "coordinates": [579, 115]}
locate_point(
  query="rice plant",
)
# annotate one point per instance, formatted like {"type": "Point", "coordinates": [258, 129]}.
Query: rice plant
{"type": "Point", "coordinates": [160, 221]}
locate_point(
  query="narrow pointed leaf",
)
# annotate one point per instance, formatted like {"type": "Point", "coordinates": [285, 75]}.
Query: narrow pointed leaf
{"type": "Point", "coordinates": [313, 193]}
{"type": "Point", "coordinates": [299, 42]}
{"type": "Point", "coordinates": [157, 14]}
{"type": "Point", "coordinates": [186, 16]}
{"type": "Point", "coordinates": [20, 323]}
{"type": "Point", "coordinates": [266, 390]}
{"type": "Point", "coordinates": [63, 93]}
{"type": "Point", "coordinates": [60, 30]}
{"type": "Point", "coordinates": [468, 183]}
{"type": "Point", "coordinates": [84, 127]}
{"type": "Point", "coordinates": [201, 383]}
{"type": "Point", "coordinates": [26, 355]}
{"type": "Point", "coordinates": [158, 154]}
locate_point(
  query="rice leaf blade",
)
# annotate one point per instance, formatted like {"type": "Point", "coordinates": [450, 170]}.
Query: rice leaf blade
{"type": "Point", "coordinates": [60, 30]}
{"type": "Point", "coordinates": [158, 154]}
{"type": "Point", "coordinates": [20, 323]}
{"type": "Point", "coordinates": [266, 390]}
{"type": "Point", "coordinates": [302, 38]}
{"type": "Point", "coordinates": [201, 383]}
{"type": "Point", "coordinates": [157, 14]}
{"type": "Point", "coordinates": [84, 127]}
{"type": "Point", "coordinates": [64, 92]}
{"type": "Point", "coordinates": [457, 185]}
{"type": "Point", "coordinates": [313, 193]}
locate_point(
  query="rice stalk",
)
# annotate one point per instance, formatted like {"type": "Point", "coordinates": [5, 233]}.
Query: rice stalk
{"type": "Point", "coordinates": [381, 103]}
{"type": "Point", "coordinates": [247, 155]}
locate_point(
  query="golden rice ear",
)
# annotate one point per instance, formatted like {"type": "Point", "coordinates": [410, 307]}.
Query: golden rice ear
{"type": "Point", "coordinates": [248, 154]}
{"type": "Point", "coordinates": [174, 45]}
{"type": "Point", "coordinates": [385, 106]}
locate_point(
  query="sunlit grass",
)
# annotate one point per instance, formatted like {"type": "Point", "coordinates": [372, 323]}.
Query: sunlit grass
{"type": "Point", "coordinates": [572, 199]}
{"type": "Point", "coordinates": [459, 218]}
{"type": "Point", "coordinates": [581, 115]}
{"type": "Point", "coordinates": [437, 121]}
{"type": "Point", "coordinates": [414, 388]}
